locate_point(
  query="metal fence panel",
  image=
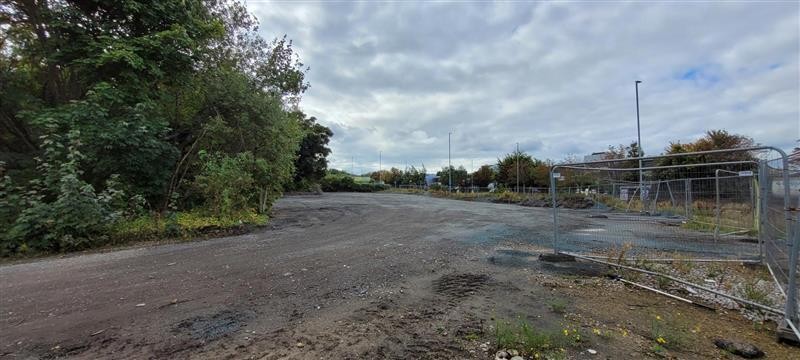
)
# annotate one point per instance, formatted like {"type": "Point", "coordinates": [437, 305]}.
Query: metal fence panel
{"type": "Point", "coordinates": [719, 205]}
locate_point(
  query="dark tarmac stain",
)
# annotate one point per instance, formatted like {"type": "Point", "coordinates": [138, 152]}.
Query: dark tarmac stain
{"type": "Point", "coordinates": [512, 252]}
{"type": "Point", "coordinates": [511, 258]}
{"type": "Point", "coordinates": [212, 327]}
{"type": "Point", "coordinates": [575, 268]}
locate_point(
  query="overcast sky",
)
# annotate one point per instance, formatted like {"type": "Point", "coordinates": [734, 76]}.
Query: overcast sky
{"type": "Point", "coordinates": [558, 78]}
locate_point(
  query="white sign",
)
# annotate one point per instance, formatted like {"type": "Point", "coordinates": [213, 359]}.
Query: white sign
{"type": "Point", "coordinates": [556, 175]}
{"type": "Point", "coordinates": [745, 173]}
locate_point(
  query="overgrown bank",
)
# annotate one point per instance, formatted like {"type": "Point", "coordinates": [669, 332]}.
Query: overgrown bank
{"type": "Point", "coordinates": [187, 120]}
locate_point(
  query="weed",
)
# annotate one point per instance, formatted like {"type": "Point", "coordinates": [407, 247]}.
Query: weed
{"type": "Point", "coordinates": [714, 270]}
{"type": "Point", "coordinates": [608, 334]}
{"type": "Point", "coordinates": [631, 275]}
{"type": "Point", "coordinates": [471, 337]}
{"type": "Point", "coordinates": [623, 250]}
{"type": "Point", "coordinates": [505, 337]}
{"type": "Point", "coordinates": [752, 292]}
{"type": "Point", "coordinates": [645, 264]}
{"type": "Point", "coordinates": [663, 282]}
{"type": "Point", "coordinates": [558, 306]}
{"type": "Point", "coordinates": [531, 341]}
{"type": "Point", "coordinates": [669, 333]}
{"type": "Point", "coordinates": [681, 265]}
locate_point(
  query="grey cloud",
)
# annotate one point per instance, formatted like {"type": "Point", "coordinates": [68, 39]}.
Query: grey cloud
{"type": "Point", "coordinates": [555, 77]}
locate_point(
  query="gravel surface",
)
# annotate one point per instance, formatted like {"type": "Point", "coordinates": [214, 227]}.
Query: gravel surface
{"type": "Point", "coordinates": [334, 276]}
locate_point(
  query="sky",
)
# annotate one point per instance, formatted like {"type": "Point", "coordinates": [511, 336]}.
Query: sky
{"type": "Point", "coordinates": [394, 78]}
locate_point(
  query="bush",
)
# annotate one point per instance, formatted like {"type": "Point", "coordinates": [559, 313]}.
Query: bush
{"type": "Point", "coordinates": [61, 211]}
{"type": "Point", "coordinates": [343, 183]}
{"type": "Point", "coordinates": [226, 183]}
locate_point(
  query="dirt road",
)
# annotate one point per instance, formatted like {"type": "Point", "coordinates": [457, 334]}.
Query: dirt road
{"type": "Point", "coordinates": [336, 276]}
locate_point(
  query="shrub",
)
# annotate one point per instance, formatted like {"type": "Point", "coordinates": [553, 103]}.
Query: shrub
{"type": "Point", "coordinates": [344, 183]}
{"type": "Point", "coordinates": [226, 183]}
{"type": "Point", "coordinates": [61, 211]}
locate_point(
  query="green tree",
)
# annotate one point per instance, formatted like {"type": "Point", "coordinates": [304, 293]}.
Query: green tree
{"type": "Point", "coordinates": [179, 102]}
{"type": "Point", "coordinates": [460, 176]}
{"type": "Point", "coordinates": [311, 163]}
{"type": "Point", "coordinates": [713, 140]}
{"type": "Point", "coordinates": [484, 176]}
{"type": "Point", "coordinates": [532, 172]}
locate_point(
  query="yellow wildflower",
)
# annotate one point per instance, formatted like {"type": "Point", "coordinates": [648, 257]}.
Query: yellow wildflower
{"type": "Point", "coordinates": [596, 331]}
{"type": "Point", "coordinates": [661, 340]}
{"type": "Point", "coordinates": [658, 317]}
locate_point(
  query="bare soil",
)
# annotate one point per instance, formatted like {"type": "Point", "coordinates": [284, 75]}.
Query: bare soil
{"type": "Point", "coordinates": [344, 276]}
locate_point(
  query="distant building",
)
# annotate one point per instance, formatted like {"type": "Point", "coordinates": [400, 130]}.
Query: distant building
{"type": "Point", "coordinates": [431, 179]}
{"type": "Point", "coordinates": [595, 156]}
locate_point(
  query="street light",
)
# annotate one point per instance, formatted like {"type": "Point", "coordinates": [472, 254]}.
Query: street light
{"type": "Point", "coordinates": [517, 156]}
{"type": "Point", "coordinates": [449, 166]}
{"type": "Point", "coordinates": [639, 145]}
{"type": "Point", "coordinates": [380, 171]}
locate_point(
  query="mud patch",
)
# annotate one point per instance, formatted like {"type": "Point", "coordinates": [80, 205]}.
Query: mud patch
{"type": "Point", "coordinates": [212, 327]}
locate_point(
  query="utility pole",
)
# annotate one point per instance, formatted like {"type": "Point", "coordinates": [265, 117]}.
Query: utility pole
{"type": "Point", "coordinates": [380, 171]}
{"type": "Point", "coordinates": [639, 146]}
{"type": "Point", "coordinates": [517, 167]}
{"type": "Point", "coordinates": [353, 165]}
{"type": "Point", "coordinates": [449, 166]}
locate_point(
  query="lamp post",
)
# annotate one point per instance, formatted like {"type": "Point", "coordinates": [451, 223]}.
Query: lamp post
{"type": "Point", "coordinates": [639, 145]}
{"type": "Point", "coordinates": [517, 156]}
{"type": "Point", "coordinates": [449, 166]}
{"type": "Point", "coordinates": [380, 171]}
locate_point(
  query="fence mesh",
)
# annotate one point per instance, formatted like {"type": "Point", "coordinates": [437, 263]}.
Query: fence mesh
{"type": "Point", "coordinates": [703, 211]}
{"type": "Point", "coordinates": [714, 206]}
{"type": "Point", "coordinates": [777, 232]}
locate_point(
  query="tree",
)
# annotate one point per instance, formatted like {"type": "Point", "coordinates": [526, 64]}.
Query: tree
{"type": "Point", "coordinates": [713, 140]}
{"type": "Point", "coordinates": [532, 172]}
{"type": "Point", "coordinates": [177, 102]}
{"type": "Point", "coordinates": [794, 157]}
{"type": "Point", "coordinates": [412, 176]}
{"type": "Point", "coordinates": [484, 176]}
{"type": "Point", "coordinates": [460, 177]}
{"type": "Point", "coordinates": [311, 162]}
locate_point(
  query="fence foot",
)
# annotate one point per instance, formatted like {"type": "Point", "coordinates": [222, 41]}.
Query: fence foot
{"type": "Point", "coordinates": [556, 258]}
{"type": "Point", "coordinates": [785, 334]}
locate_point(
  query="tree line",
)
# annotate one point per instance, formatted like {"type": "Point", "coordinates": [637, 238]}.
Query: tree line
{"type": "Point", "coordinates": [113, 110]}
{"type": "Point", "coordinates": [520, 168]}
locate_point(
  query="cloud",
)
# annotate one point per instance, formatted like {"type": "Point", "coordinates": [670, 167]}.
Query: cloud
{"type": "Point", "coordinates": [555, 77]}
